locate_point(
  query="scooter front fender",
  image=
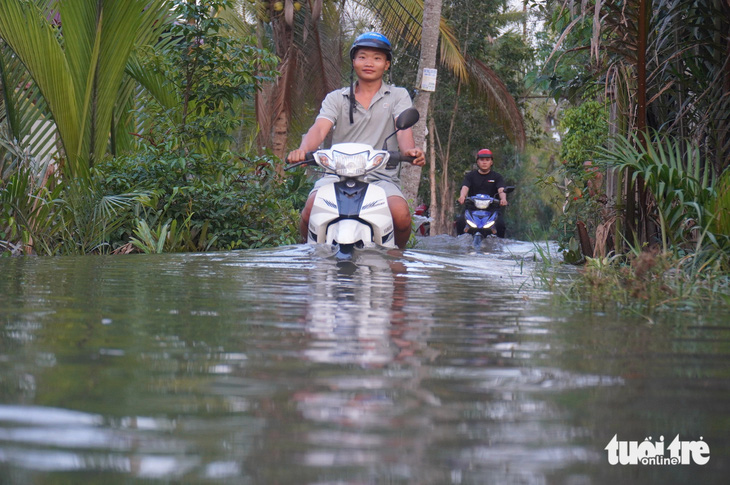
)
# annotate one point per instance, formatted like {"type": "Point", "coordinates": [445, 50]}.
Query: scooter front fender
{"type": "Point", "coordinates": [349, 231]}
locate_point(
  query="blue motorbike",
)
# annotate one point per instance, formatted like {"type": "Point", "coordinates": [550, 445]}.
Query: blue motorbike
{"type": "Point", "coordinates": [481, 214]}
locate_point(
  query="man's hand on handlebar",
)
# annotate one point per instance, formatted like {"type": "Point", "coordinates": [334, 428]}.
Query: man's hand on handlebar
{"type": "Point", "coordinates": [296, 156]}
{"type": "Point", "coordinates": [418, 153]}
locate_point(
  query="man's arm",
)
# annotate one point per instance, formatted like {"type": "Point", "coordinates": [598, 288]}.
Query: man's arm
{"type": "Point", "coordinates": [463, 194]}
{"type": "Point", "coordinates": [500, 190]}
{"type": "Point", "coordinates": [408, 147]}
{"type": "Point", "coordinates": [312, 140]}
{"type": "Point", "coordinates": [502, 196]}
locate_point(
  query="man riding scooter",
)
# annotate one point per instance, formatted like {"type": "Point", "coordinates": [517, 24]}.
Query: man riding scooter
{"type": "Point", "coordinates": [365, 112]}
{"type": "Point", "coordinates": [483, 180]}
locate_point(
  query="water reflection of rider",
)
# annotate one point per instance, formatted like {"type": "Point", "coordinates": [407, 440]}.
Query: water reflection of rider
{"type": "Point", "coordinates": [356, 314]}
{"type": "Point", "coordinates": [483, 180]}
{"type": "Point", "coordinates": [365, 112]}
{"type": "Point", "coordinates": [366, 351]}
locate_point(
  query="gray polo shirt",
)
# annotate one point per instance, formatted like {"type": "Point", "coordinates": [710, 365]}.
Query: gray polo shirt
{"type": "Point", "coordinates": [372, 125]}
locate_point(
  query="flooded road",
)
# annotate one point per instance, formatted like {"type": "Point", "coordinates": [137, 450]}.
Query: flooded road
{"type": "Point", "coordinates": [435, 365]}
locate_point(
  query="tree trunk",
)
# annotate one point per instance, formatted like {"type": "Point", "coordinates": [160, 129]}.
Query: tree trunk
{"type": "Point", "coordinates": [411, 174]}
{"type": "Point", "coordinates": [636, 220]}
{"type": "Point", "coordinates": [432, 173]}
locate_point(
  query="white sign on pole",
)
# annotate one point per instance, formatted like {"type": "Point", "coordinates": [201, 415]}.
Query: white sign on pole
{"type": "Point", "coordinates": [428, 81]}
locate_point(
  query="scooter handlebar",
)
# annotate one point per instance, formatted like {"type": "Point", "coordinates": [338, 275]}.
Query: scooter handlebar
{"type": "Point", "coordinates": [308, 160]}
{"type": "Point", "coordinates": [396, 158]}
{"type": "Point", "coordinates": [393, 161]}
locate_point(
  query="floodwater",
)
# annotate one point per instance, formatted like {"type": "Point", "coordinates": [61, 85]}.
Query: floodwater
{"type": "Point", "coordinates": [435, 365]}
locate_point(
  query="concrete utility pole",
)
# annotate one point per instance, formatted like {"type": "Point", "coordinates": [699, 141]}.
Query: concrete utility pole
{"type": "Point", "coordinates": [411, 174]}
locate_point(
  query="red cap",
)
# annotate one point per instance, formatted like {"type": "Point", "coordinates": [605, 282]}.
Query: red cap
{"type": "Point", "coordinates": [484, 153]}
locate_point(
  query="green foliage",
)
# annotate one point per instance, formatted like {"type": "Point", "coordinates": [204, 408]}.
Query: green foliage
{"type": "Point", "coordinates": [590, 50]}
{"type": "Point", "coordinates": [28, 214]}
{"type": "Point", "coordinates": [510, 56]}
{"type": "Point", "coordinates": [211, 72]}
{"type": "Point", "coordinates": [91, 217]}
{"type": "Point", "coordinates": [79, 69]}
{"type": "Point", "coordinates": [73, 218]}
{"type": "Point", "coordinates": [529, 215]}
{"type": "Point", "coordinates": [642, 281]}
{"type": "Point", "coordinates": [183, 189]}
{"type": "Point", "coordinates": [652, 281]}
{"type": "Point", "coordinates": [677, 177]}
{"type": "Point", "coordinates": [169, 237]}
{"type": "Point", "coordinates": [719, 208]}
{"type": "Point", "coordinates": [201, 203]}
{"type": "Point", "coordinates": [576, 183]}
{"type": "Point", "coordinates": [584, 129]}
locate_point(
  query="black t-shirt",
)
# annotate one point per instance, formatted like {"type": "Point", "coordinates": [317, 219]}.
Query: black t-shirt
{"type": "Point", "coordinates": [483, 184]}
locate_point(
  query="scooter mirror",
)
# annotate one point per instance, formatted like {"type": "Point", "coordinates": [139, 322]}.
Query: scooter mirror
{"type": "Point", "coordinates": [407, 119]}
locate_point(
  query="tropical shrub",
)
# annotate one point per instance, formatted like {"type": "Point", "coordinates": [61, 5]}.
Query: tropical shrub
{"type": "Point", "coordinates": [682, 185]}
{"type": "Point", "coordinates": [719, 208]}
{"type": "Point", "coordinates": [56, 218]}
{"type": "Point", "coordinates": [218, 203]}
{"type": "Point", "coordinates": [76, 54]}
{"type": "Point", "coordinates": [199, 75]}
{"type": "Point", "coordinates": [576, 181]}
{"type": "Point", "coordinates": [648, 281]}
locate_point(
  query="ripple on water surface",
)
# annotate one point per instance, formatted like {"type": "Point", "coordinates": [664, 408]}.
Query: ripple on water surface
{"type": "Point", "coordinates": [434, 365]}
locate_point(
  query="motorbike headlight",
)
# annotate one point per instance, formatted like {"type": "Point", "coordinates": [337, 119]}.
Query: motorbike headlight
{"type": "Point", "coordinates": [351, 164]}
{"type": "Point", "coordinates": [325, 160]}
{"type": "Point", "coordinates": [471, 224]}
{"type": "Point", "coordinates": [376, 160]}
{"type": "Point", "coordinates": [482, 203]}
{"type": "Point", "coordinates": [489, 224]}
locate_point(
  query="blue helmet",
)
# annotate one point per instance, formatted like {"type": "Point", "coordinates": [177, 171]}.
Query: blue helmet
{"type": "Point", "coordinates": [375, 40]}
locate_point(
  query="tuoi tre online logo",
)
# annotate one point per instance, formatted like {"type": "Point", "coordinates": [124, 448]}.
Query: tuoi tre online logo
{"type": "Point", "coordinates": [648, 452]}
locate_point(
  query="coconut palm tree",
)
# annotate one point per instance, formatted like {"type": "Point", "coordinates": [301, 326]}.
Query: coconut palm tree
{"type": "Point", "coordinates": [76, 54]}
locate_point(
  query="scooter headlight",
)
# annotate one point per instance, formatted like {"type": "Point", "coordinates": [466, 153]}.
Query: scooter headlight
{"type": "Point", "coordinates": [471, 224]}
{"type": "Point", "coordinates": [325, 160]}
{"type": "Point", "coordinates": [482, 203]}
{"type": "Point", "coordinates": [489, 224]}
{"type": "Point", "coordinates": [351, 164]}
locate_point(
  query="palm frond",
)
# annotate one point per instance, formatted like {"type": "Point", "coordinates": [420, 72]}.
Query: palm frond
{"type": "Point", "coordinates": [23, 110]}
{"type": "Point", "coordinates": [682, 185]}
{"type": "Point", "coordinates": [80, 76]}
{"type": "Point", "coordinates": [486, 82]}
{"type": "Point", "coordinates": [154, 83]}
{"type": "Point", "coordinates": [33, 40]}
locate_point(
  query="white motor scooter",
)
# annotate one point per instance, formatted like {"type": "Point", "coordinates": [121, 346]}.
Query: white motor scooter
{"type": "Point", "coordinates": [352, 213]}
